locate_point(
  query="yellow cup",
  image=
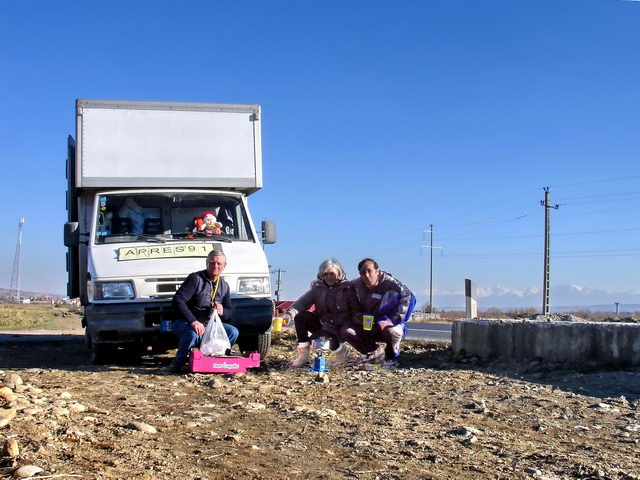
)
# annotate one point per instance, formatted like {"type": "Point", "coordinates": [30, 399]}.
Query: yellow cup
{"type": "Point", "coordinates": [367, 322]}
{"type": "Point", "coordinates": [277, 324]}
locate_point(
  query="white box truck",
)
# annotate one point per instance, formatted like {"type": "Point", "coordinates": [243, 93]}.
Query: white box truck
{"type": "Point", "coordinates": [140, 174]}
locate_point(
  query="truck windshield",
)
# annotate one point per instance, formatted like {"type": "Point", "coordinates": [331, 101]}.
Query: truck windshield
{"type": "Point", "coordinates": [163, 217]}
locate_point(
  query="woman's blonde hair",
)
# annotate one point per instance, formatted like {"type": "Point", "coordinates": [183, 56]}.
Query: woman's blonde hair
{"type": "Point", "coordinates": [332, 262]}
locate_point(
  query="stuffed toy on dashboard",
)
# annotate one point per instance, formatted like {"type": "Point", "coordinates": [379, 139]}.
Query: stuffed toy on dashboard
{"type": "Point", "coordinates": [206, 224]}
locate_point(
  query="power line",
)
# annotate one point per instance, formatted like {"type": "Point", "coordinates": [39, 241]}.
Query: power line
{"type": "Point", "coordinates": [496, 221]}
{"type": "Point", "coordinates": [482, 255]}
{"type": "Point", "coordinates": [588, 182]}
{"type": "Point", "coordinates": [522, 218]}
{"type": "Point", "coordinates": [538, 235]}
{"type": "Point", "coordinates": [506, 201]}
{"type": "Point", "coordinates": [598, 231]}
{"type": "Point", "coordinates": [534, 255]}
{"type": "Point", "coordinates": [612, 200]}
{"type": "Point", "coordinates": [596, 212]}
{"type": "Point", "coordinates": [600, 196]}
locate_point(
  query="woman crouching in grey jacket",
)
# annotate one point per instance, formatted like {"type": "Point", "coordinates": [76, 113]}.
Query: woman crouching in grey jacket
{"type": "Point", "coordinates": [334, 302]}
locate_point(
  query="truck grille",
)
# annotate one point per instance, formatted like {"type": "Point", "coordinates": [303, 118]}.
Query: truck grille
{"type": "Point", "coordinates": [153, 315]}
{"type": "Point", "coordinates": [165, 287]}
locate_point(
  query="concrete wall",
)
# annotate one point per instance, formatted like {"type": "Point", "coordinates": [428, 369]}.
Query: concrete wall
{"type": "Point", "coordinates": [607, 344]}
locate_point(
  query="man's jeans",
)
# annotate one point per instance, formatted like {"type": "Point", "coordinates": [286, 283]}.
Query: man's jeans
{"type": "Point", "coordinates": [188, 338]}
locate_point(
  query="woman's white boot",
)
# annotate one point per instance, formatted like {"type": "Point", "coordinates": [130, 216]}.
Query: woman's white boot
{"type": "Point", "coordinates": [341, 353]}
{"type": "Point", "coordinates": [303, 355]}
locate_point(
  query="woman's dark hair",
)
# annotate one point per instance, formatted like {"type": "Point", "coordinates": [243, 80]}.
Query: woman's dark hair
{"type": "Point", "coordinates": [365, 260]}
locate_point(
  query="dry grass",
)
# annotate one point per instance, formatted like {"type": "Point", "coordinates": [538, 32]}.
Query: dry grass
{"type": "Point", "coordinates": [15, 316]}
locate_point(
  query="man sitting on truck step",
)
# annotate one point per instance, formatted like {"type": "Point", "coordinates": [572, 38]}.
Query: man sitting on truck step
{"type": "Point", "coordinates": [197, 296]}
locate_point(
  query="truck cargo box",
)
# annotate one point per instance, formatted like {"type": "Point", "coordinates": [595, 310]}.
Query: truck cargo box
{"type": "Point", "coordinates": [134, 144]}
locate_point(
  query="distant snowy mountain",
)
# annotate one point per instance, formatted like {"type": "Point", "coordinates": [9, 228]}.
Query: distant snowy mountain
{"type": "Point", "coordinates": [562, 298]}
{"type": "Point", "coordinates": [609, 308]}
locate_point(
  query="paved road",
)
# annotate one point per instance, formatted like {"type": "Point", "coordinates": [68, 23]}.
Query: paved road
{"type": "Point", "coordinates": [424, 331]}
{"type": "Point", "coordinates": [429, 331]}
{"type": "Point", "coordinates": [417, 331]}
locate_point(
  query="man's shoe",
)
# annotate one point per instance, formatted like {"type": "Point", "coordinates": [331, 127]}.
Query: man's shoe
{"type": "Point", "coordinates": [376, 356]}
{"type": "Point", "coordinates": [341, 354]}
{"type": "Point", "coordinates": [175, 367]}
{"type": "Point", "coordinates": [390, 363]}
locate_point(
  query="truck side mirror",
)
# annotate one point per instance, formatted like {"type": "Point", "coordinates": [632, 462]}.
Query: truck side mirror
{"type": "Point", "coordinates": [71, 234]}
{"type": "Point", "coordinates": [268, 232]}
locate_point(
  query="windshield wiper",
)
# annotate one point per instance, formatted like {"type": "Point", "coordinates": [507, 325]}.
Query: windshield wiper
{"type": "Point", "coordinates": [126, 237]}
{"type": "Point", "coordinates": [150, 237]}
{"type": "Point", "coordinates": [199, 236]}
{"type": "Point", "coordinates": [221, 238]}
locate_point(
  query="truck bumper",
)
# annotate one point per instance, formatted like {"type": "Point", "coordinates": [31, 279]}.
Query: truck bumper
{"type": "Point", "coordinates": [127, 322]}
{"type": "Point", "coordinates": [136, 322]}
{"type": "Point", "coordinates": [252, 316]}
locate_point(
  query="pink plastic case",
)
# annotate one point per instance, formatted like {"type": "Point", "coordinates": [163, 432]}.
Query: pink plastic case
{"type": "Point", "coordinates": [198, 363]}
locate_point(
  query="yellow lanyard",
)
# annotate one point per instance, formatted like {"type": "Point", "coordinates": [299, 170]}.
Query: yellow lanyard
{"type": "Point", "coordinates": [213, 294]}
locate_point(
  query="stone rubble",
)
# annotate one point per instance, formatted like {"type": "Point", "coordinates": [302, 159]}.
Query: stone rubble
{"type": "Point", "coordinates": [433, 417]}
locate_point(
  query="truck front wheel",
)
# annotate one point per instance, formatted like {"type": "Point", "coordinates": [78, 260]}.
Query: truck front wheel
{"type": "Point", "coordinates": [99, 353]}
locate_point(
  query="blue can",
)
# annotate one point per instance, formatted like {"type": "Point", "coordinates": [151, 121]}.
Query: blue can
{"type": "Point", "coordinates": [319, 365]}
{"type": "Point", "coordinates": [166, 326]}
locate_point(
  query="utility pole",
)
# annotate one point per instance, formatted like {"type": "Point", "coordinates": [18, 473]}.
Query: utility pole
{"type": "Point", "coordinates": [279, 271]}
{"type": "Point", "coordinates": [547, 240]}
{"type": "Point", "coordinates": [14, 291]}
{"type": "Point", "coordinates": [430, 247]}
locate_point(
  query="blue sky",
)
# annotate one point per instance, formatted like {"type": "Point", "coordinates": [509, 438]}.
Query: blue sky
{"type": "Point", "coordinates": [379, 119]}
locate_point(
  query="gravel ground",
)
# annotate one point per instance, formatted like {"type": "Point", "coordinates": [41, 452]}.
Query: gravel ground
{"type": "Point", "coordinates": [434, 417]}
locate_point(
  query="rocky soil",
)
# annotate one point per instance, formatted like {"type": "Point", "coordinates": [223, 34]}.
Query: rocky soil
{"type": "Point", "coordinates": [434, 417]}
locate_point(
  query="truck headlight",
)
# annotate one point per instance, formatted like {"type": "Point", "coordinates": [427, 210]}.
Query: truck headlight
{"type": "Point", "coordinates": [113, 291]}
{"type": "Point", "coordinates": [253, 285]}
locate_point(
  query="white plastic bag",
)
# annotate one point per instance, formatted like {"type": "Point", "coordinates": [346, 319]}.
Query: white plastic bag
{"type": "Point", "coordinates": [215, 340]}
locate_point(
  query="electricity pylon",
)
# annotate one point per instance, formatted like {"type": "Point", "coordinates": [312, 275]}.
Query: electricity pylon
{"type": "Point", "coordinates": [14, 291]}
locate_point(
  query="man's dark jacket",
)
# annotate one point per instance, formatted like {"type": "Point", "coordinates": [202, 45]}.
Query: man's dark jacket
{"type": "Point", "coordinates": [193, 299]}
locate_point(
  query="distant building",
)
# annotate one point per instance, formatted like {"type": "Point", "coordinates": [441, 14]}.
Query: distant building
{"type": "Point", "coordinates": [420, 315]}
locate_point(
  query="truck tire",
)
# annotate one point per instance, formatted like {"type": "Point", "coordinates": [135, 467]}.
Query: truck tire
{"type": "Point", "coordinates": [99, 353]}
{"type": "Point", "coordinates": [264, 343]}
{"type": "Point", "coordinates": [256, 343]}
{"type": "Point", "coordinates": [131, 352]}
